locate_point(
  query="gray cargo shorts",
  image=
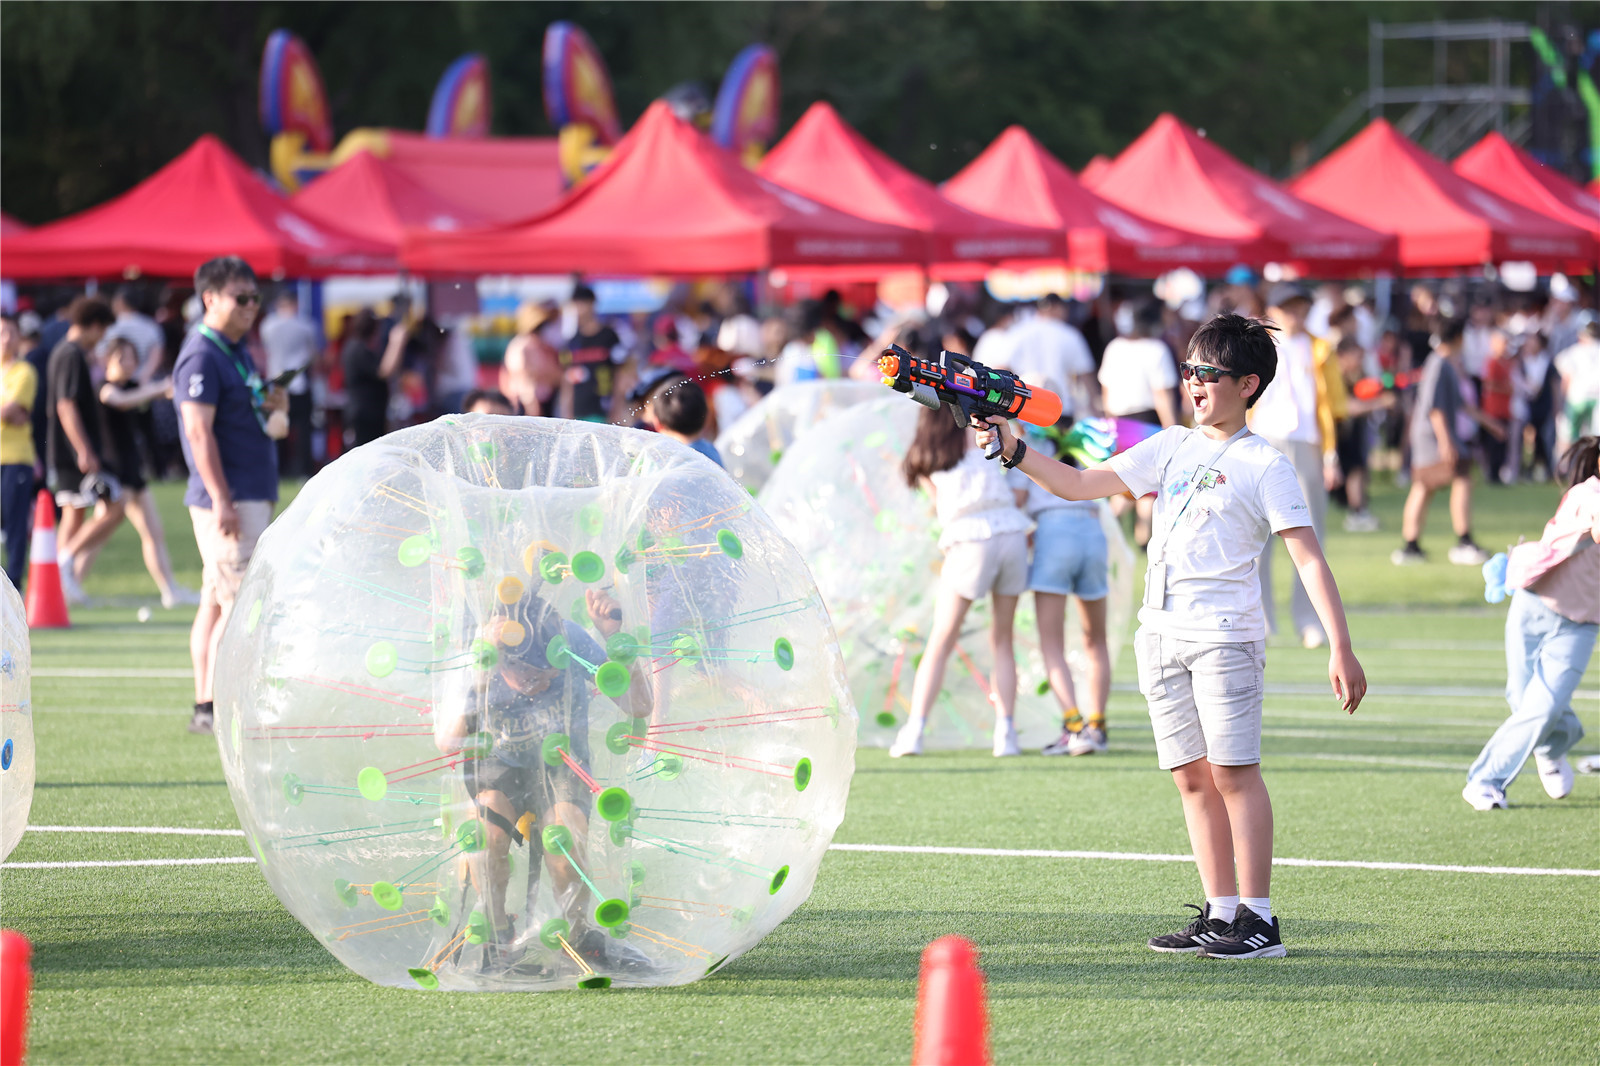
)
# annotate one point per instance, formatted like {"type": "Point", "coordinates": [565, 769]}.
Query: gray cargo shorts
{"type": "Point", "coordinates": [1205, 699]}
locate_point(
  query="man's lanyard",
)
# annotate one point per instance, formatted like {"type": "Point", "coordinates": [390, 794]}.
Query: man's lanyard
{"type": "Point", "coordinates": [247, 373]}
{"type": "Point", "coordinates": [1194, 490]}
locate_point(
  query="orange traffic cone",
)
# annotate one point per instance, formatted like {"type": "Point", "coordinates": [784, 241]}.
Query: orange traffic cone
{"type": "Point", "coordinates": [47, 607]}
{"type": "Point", "coordinates": [15, 978]}
{"type": "Point", "coordinates": [952, 1023]}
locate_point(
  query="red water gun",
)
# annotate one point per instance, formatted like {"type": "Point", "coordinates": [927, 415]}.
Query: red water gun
{"type": "Point", "coordinates": [969, 390]}
{"type": "Point", "coordinates": [1372, 388]}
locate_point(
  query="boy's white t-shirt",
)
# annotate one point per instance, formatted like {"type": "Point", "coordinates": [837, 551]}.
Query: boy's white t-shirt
{"type": "Point", "coordinates": [1250, 493]}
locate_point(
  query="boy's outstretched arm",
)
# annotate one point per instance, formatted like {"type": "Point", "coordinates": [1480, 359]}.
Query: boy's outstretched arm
{"type": "Point", "coordinates": [1349, 680]}
{"type": "Point", "coordinates": [1065, 481]}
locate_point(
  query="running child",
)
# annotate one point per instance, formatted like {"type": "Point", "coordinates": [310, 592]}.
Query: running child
{"type": "Point", "coordinates": [1202, 635]}
{"type": "Point", "coordinates": [1550, 635]}
{"type": "Point", "coordinates": [985, 545]}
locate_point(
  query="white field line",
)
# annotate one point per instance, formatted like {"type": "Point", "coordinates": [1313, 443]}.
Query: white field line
{"type": "Point", "coordinates": [908, 849]}
{"type": "Point", "coordinates": [119, 673]}
{"type": "Point", "coordinates": [1133, 856]}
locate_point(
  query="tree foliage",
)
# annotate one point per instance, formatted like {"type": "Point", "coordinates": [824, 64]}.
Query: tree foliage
{"type": "Point", "coordinates": [96, 96]}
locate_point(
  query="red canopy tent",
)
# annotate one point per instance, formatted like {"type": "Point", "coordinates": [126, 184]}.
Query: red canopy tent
{"type": "Point", "coordinates": [503, 179]}
{"type": "Point", "coordinates": [1503, 168]}
{"type": "Point", "coordinates": [1017, 179]}
{"type": "Point", "coordinates": [1173, 175]}
{"type": "Point", "coordinates": [1443, 221]}
{"type": "Point", "coordinates": [1094, 170]}
{"type": "Point", "coordinates": [667, 201]}
{"type": "Point", "coordinates": [825, 159]}
{"type": "Point", "coordinates": [203, 204]}
{"type": "Point", "coordinates": [376, 200]}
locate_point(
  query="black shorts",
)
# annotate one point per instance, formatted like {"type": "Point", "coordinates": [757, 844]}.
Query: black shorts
{"type": "Point", "coordinates": [529, 788]}
{"type": "Point", "coordinates": [1351, 445]}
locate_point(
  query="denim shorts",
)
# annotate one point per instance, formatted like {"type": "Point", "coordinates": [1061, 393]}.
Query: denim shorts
{"type": "Point", "coordinates": [1069, 554]}
{"type": "Point", "coordinates": [1205, 699]}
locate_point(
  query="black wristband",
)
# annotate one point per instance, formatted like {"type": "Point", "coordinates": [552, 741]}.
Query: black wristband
{"type": "Point", "coordinates": [1016, 454]}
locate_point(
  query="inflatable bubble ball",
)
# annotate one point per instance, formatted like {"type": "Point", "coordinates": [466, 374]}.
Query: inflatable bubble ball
{"type": "Point", "coordinates": [16, 719]}
{"type": "Point", "coordinates": [525, 703]}
{"type": "Point", "coordinates": [754, 444]}
{"type": "Point", "coordinates": [840, 483]}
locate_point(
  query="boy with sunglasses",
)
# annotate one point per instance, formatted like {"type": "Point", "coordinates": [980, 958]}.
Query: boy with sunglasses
{"type": "Point", "coordinates": [1202, 633]}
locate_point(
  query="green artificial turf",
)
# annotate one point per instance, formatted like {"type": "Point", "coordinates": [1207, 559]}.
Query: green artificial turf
{"type": "Point", "coordinates": [201, 963]}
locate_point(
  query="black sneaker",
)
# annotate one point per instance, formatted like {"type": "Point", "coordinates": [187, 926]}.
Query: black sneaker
{"type": "Point", "coordinates": [1193, 936]}
{"type": "Point", "coordinates": [202, 721]}
{"type": "Point", "coordinates": [1249, 937]}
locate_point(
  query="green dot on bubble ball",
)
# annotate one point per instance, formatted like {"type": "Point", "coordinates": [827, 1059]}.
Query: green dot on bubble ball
{"type": "Point", "coordinates": [886, 522]}
{"type": "Point", "coordinates": [372, 783]}
{"type": "Point", "coordinates": [621, 832]}
{"type": "Point", "coordinates": [293, 791]}
{"type": "Point", "coordinates": [591, 520]}
{"type": "Point", "coordinates": [382, 658]}
{"type": "Point", "coordinates": [614, 804]}
{"type": "Point", "coordinates": [886, 720]}
{"type": "Point", "coordinates": [612, 679]}
{"type": "Point", "coordinates": [775, 456]}
{"type": "Point", "coordinates": [472, 559]}
{"type": "Point", "coordinates": [617, 742]}
{"type": "Point", "coordinates": [624, 559]}
{"type": "Point", "coordinates": [469, 836]}
{"type": "Point", "coordinates": [622, 648]}
{"type": "Point", "coordinates": [777, 881]}
{"type": "Point", "coordinates": [555, 652]}
{"type": "Point", "coordinates": [553, 746]}
{"type": "Point", "coordinates": [556, 838]}
{"type": "Point", "coordinates": [414, 551]}
{"type": "Point", "coordinates": [588, 567]}
{"type": "Point", "coordinates": [728, 541]}
{"type": "Point", "coordinates": [802, 775]}
{"type": "Point", "coordinates": [387, 896]}
{"type": "Point", "coordinates": [254, 619]}
{"type": "Point", "coordinates": [440, 911]}
{"type": "Point", "coordinates": [553, 567]}
{"type": "Point", "coordinates": [551, 932]}
{"type": "Point", "coordinates": [477, 927]}
{"type": "Point", "coordinates": [346, 892]}
{"type": "Point", "coordinates": [483, 654]}
{"type": "Point", "coordinates": [483, 450]}
{"type": "Point", "coordinates": [876, 440]}
{"type": "Point", "coordinates": [783, 653]}
{"type": "Point", "coordinates": [668, 766]}
{"type": "Point", "coordinates": [423, 978]}
{"type": "Point", "coordinates": [610, 913]}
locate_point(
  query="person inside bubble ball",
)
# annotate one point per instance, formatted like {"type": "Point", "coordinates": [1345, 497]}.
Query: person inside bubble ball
{"type": "Point", "coordinates": [524, 699]}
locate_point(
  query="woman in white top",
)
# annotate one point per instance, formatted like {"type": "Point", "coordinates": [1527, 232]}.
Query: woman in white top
{"type": "Point", "coordinates": [1137, 379]}
{"type": "Point", "coordinates": [985, 545]}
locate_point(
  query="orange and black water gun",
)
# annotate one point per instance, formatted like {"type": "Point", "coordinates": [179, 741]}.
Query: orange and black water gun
{"type": "Point", "coordinates": [969, 391]}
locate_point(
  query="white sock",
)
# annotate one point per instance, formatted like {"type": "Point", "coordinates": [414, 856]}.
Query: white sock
{"type": "Point", "coordinates": [1222, 908]}
{"type": "Point", "coordinates": [64, 561]}
{"type": "Point", "coordinates": [1262, 906]}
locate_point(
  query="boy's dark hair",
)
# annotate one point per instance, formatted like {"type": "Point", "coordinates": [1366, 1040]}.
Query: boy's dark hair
{"type": "Point", "coordinates": [1242, 345]}
{"type": "Point", "coordinates": [479, 395]}
{"type": "Point", "coordinates": [86, 312]}
{"type": "Point", "coordinates": [214, 274]}
{"type": "Point", "coordinates": [582, 294]}
{"type": "Point", "coordinates": [681, 407]}
{"type": "Point", "coordinates": [1450, 331]}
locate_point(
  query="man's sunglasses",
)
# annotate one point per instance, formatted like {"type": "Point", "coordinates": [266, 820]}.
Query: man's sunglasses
{"type": "Point", "coordinates": [247, 298]}
{"type": "Point", "coordinates": [1207, 375]}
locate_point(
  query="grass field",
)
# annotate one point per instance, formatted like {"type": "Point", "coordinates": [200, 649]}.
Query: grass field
{"type": "Point", "coordinates": [200, 963]}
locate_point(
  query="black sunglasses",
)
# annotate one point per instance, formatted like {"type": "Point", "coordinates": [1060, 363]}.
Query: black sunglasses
{"type": "Point", "coordinates": [1207, 375]}
{"type": "Point", "coordinates": [246, 298]}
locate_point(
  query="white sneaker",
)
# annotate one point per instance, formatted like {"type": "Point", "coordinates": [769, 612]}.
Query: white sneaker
{"type": "Point", "coordinates": [1312, 637]}
{"type": "Point", "coordinates": [1589, 764]}
{"type": "Point", "coordinates": [1361, 522]}
{"type": "Point", "coordinates": [1555, 775]}
{"type": "Point", "coordinates": [71, 590]}
{"type": "Point", "coordinates": [181, 595]}
{"type": "Point", "coordinates": [1484, 797]}
{"type": "Point", "coordinates": [909, 740]}
{"type": "Point", "coordinates": [1468, 555]}
{"type": "Point", "coordinates": [1090, 741]}
{"type": "Point", "coordinates": [1005, 738]}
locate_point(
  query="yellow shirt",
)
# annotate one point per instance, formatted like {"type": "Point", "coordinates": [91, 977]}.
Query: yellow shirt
{"type": "Point", "coordinates": [19, 384]}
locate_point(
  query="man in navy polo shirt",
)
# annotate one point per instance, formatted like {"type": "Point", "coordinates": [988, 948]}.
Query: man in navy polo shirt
{"type": "Point", "coordinates": [230, 420]}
